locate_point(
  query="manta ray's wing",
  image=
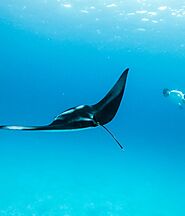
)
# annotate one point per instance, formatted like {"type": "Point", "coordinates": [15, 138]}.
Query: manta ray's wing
{"type": "Point", "coordinates": [27, 128]}
{"type": "Point", "coordinates": [106, 109]}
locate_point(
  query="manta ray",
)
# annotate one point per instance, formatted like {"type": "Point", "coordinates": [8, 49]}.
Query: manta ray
{"type": "Point", "coordinates": [85, 116]}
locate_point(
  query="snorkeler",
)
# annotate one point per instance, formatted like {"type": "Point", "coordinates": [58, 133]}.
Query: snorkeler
{"type": "Point", "coordinates": [176, 96]}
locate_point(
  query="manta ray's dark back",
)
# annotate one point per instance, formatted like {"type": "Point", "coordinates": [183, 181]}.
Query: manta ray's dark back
{"type": "Point", "coordinates": [106, 109]}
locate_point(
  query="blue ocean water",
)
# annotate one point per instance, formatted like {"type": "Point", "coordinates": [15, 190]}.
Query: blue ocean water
{"type": "Point", "coordinates": [58, 54]}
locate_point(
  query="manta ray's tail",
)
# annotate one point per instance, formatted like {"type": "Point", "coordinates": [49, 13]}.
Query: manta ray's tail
{"type": "Point", "coordinates": [109, 132]}
{"type": "Point", "coordinates": [112, 135]}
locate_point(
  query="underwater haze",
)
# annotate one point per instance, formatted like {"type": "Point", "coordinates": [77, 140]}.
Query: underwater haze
{"type": "Point", "coordinates": [57, 54]}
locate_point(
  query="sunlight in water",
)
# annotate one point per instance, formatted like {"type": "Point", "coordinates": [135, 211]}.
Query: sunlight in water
{"type": "Point", "coordinates": [122, 17]}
